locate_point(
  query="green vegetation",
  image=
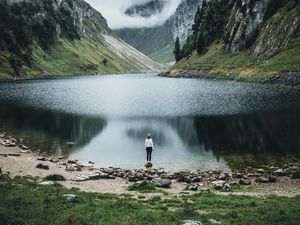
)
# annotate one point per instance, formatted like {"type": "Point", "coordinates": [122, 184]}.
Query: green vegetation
{"type": "Point", "coordinates": [49, 37]}
{"type": "Point", "coordinates": [220, 45]}
{"type": "Point", "coordinates": [55, 177]}
{"type": "Point", "coordinates": [177, 50]}
{"type": "Point", "coordinates": [144, 187]}
{"type": "Point", "coordinates": [21, 26]}
{"type": "Point", "coordinates": [23, 201]}
{"type": "Point", "coordinates": [241, 66]}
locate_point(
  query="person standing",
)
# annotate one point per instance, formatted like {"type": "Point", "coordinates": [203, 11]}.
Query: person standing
{"type": "Point", "coordinates": [149, 147]}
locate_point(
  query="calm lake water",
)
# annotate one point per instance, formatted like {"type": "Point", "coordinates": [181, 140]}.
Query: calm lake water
{"type": "Point", "coordinates": [196, 124]}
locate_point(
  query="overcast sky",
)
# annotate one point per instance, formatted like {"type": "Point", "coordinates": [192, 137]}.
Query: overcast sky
{"type": "Point", "coordinates": [113, 11]}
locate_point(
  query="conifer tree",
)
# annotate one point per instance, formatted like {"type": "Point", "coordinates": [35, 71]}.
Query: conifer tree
{"type": "Point", "coordinates": [177, 50]}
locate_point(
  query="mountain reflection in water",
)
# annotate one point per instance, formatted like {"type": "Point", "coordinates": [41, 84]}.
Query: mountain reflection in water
{"type": "Point", "coordinates": [180, 142]}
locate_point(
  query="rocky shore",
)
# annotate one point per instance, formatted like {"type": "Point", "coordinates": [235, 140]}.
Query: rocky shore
{"type": "Point", "coordinates": [285, 78]}
{"type": "Point", "coordinates": [17, 160]}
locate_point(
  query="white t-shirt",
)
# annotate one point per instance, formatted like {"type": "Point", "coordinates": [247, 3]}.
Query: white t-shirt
{"type": "Point", "coordinates": [149, 143]}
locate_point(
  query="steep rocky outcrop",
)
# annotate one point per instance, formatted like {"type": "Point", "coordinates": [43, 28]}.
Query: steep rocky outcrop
{"type": "Point", "coordinates": [158, 42]}
{"type": "Point", "coordinates": [253, 40]}
{"type": "Point", "coordinates": [62, 37]}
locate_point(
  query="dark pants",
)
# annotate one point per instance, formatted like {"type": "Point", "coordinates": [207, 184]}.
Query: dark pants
{"type": "Point", "coordinates": [149, 153]}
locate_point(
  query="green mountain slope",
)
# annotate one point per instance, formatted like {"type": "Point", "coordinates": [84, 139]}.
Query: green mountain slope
{"type": "Point", "coordinates": [251, 40]}
{"type": "Point", "coordinates": [44, 37]}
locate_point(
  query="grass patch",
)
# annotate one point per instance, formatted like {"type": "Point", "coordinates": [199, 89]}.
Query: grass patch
{"type": "Point", "coordinates": [55, 177]}
{"type": "Point", "coordinates": [23, 201]}
{"type": "Point", "coordinates": [144, 187]}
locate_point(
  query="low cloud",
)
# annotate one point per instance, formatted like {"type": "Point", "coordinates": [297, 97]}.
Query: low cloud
{"type": "Point", "coordinates": [113, 11]}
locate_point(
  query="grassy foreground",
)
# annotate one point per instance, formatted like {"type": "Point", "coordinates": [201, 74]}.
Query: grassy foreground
{"type": "Point", "coordinates": [23, 201]}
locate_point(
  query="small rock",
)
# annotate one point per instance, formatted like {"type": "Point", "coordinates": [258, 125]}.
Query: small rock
{"type": "Point", "coordinates": [244, 181]}
{"type": "Point", "coordinates": [191, 222]}
{"type": "Point", "coordinates": [104, 176]}
{"type": "Point", "coordinates": [42, 166]}
{"type": "Point", "coordinates": [108, 171]}
{"type": "Point", "coordinates": [61, 157]}
{"type": "Point", "coordinates": [191, 188]}
{"type": "Point", "coordinates": [41, 158]}
{"type": "Point", "coordinates": [132, 178]}
{"type": "Point", "coordinates": [279, 172]}
{"type": "Point", "coordinates": [70, 168]}
{"type": "Point", "coordinates": [262, 180]}
{"type": "Point", "coordinates": [227, 187]}
{"type": "Point", "coordinates": [272, 179]}
{"type": "Point", "coordinates": [54, 160]}
{"type": "Point", "coordinates": [14, 154]}
{"type": "Point", "coordinates": [162, 183]}
{"type": "Point", "coordinates": [94, 176]}
{"type": "Point", "coordinates": [47, 183]}
{"type": "Point", "coordinates": [90, 162]}
{"type": "Point", "coordinates": [24, 147]}
{"type": "Point", "coordinates": [25, 151]}
{"type": "Point", "coordinates": [218, 185]}
{"type": "Point", "coordinates": [260, 170]}
{"type": "Point", "coordinates": [196, 179]}
{"type": "Point", "coordinates": [72, 161]}
{"type": "Point", "coordinates": [148, 165]}
{"type": "Point", "coordinates": [213, 221]}
{"type": "Point", "coordinates": [296, 174]}
{"type": "Point", "coordinates": [71, 198]}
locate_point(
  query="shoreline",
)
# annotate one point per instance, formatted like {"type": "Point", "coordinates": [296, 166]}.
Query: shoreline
{"type": "Point", "coordinates": [20, 161]}
{"type": "Point", "coordinates": [286, 79]}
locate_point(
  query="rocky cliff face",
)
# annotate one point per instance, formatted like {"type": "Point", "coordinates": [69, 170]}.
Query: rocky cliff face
{"type": "Point", "coordinates": [249, 40]}
{"type": "Point", "coordinates": [158, 42]}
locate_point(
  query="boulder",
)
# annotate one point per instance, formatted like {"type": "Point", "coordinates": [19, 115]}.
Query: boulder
{"type": "Point", "coordinates": [218, 184]}
{"type": "Point", "coordinates": [104, 176]}
{"type": "Point", "coordinates": [42, 166]}
{"type": "Point", "coordinates": [244, 181]}
{"type": "Point", "coordinates": [90, 162]}
{"type": "Point", "coordinates": [162, 183]}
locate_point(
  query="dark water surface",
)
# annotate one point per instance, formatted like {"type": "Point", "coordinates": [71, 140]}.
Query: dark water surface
{"type": "Point", "coordinates": [196, 124]}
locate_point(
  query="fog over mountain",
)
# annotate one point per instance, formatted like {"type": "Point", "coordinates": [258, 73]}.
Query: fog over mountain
{"type": "Point", "coordinates": [114, 12]}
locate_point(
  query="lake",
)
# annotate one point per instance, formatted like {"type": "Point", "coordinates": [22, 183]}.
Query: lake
{"type": "Point", "coordinates": [195, 123]}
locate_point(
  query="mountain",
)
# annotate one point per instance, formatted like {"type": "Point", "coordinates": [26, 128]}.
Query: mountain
{"type": "Point", "coordinates": [254, 40]}
{"type": "Point", "coordinates": [45, 37]}
{"type": "Point", "coordinates": [158, 42]}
